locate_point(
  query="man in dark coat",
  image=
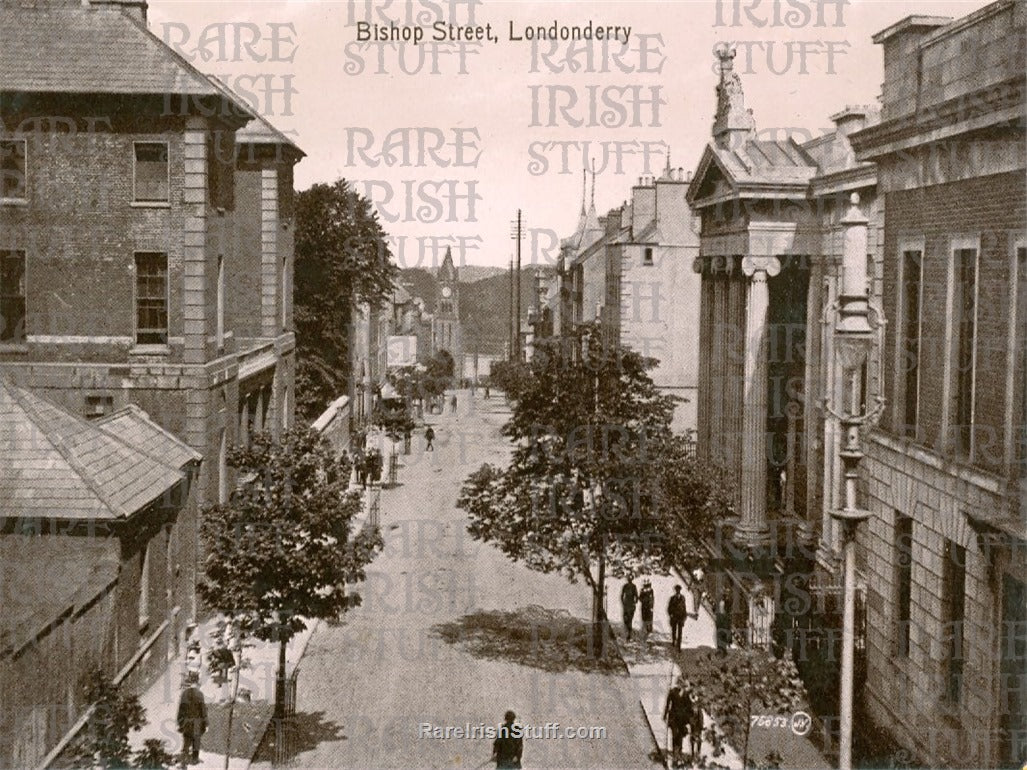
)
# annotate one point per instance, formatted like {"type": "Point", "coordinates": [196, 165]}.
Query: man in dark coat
{"type": "Point", "coordinates": [429, 436]}
{"type": "Point", "coordinates": [628, 600]}
{"type": "Point", "coordinates": [192, 722]}
{"type": "Point", "coordinates": [722, 621]}
{"type": "Point", "coordinates": [677, 713]}
{"type": "Point", "coordinates": [677, 611]}
{"type": "Point", "coordinates": [508, 745]}
{"type": "Point", "coordinates": [647, 600]}
{"type": "Point", "coordinates": [695, 724]}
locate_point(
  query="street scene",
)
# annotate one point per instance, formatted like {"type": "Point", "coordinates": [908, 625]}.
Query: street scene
{"type": "Point", "coordinates": [483, 383]}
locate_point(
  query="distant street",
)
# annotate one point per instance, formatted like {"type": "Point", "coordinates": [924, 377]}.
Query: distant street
{"type": "Point", "coordinates": [429, 645]}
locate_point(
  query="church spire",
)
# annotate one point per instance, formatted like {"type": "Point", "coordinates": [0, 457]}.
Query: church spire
{"type": "Point", "coordinates": [733, 123]}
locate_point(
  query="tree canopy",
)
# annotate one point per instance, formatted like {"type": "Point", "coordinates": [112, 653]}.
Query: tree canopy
{"type": "Point", "coordinates": [342, 258]}
{"type": "Point", "coordinates": [597, 478]}
{"type": "Point", "coordinates": [283, 549]}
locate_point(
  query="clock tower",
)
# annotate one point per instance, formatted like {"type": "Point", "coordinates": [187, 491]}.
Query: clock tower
{"type": "Point", "coordinates": [447, 334]}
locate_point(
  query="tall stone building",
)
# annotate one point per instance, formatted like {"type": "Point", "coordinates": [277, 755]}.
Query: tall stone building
{"type": "Point", "coordinates": [146, 241]}
{"type": "Point", "coordinates": [944, 549]}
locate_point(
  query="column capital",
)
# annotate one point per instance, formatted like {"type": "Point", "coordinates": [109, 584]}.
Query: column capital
{"type": "Point", "coordinates": [760, 268]}
{"type": "Point", "coordinates": [698, 265]}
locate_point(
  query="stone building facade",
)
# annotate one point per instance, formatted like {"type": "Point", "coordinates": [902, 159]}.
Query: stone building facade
{"type": "Point", "coordinates": [944, 549]}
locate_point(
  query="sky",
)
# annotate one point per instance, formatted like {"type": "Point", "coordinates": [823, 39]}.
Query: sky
{"type": "Point", "coordinates": [450, 138]}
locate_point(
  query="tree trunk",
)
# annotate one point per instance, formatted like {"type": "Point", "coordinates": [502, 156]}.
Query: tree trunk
{"type": "Point", "coordinates": [598, 615]}
{"type": "Point", "coordinates": [280, 679]}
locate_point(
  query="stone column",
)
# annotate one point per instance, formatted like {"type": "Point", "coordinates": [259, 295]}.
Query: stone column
{"type": "Point", "coordinates": [705, 319]}
{"type": "Point", "coordinates": [717, 368]}
{"type": "Point", "coordinates": [752, 528]}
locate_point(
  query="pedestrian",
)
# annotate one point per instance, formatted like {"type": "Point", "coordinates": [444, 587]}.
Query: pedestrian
{"type": "Point", "coordinates": [648, 600]}
{"type": "Point", "coordinates": [452, 403]}
{"type": "Point", "coordinates": [509, 743]}
{"type": "Point", "coordinates": [628, 600]}
{"type": "Point", "coordinates": [488, 393]}
{"type": "Point", "coordinates": [677, 611]}
{"type": "Point", "coordinates": [722, 622]}
{"type": "Point", "coordinates": [677, 713]}
{"type": "Point", "coordinates": [429, 436]}
{"type": "Point", "coordinates": [695, 723]}
{"type": "Point", "coordinates": [192, 723]}
{"type": "Point", "coordinates": [697, 590]}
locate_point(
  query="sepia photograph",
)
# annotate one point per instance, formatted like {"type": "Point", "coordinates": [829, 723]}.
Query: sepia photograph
{"type": "Point", "coordinates": [396, 384]}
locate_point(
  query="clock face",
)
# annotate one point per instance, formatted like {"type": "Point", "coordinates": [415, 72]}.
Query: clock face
{"type": "Point", "coordinates": [446, 291]}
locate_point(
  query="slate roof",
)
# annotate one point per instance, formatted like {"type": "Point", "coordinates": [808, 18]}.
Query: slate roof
{"type": "Point", "coordinates": [56, 464]}
{"type": "Point", "coordinates": [133, 426]}
{"type": "Point", "coordinates": [43, 577]}
{"type": "Point", "coordinates": [768, 162]}
{"type": "Point", "coordinates": [90, 50]}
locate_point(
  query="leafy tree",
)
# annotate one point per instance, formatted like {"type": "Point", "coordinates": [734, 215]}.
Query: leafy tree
{"type": "Point", "coordinates": [509, 376]}
{"type": "Point", "coordinates": [283, 549]}
{"type": "Point", "coordinates": [739, 686]}
{"type": "Point", "coordinates": [114, 714]}
{"type": "Point", "coordinates": [342, 259]}
{"type": "Point", "coordinates": [153, 756]}
{"type": "Point", "coordinates": [597, 480]}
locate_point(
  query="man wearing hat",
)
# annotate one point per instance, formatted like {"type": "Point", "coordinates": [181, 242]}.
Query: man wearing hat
{"type": "Point", "coordinates": [628, 600]}
{"type": "Point", "coordinates": [509, 743]}
{"type": "Point", "coordinates": [677, 713]}
{"type": "Point", "coordinates": [677, 611]}
{"type": "Point", "coordinates": [647, 600]}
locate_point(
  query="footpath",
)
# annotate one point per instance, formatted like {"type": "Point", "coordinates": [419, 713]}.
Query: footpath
{"type": "Point", "coordinates": [652, 666]}
{"type": "Point", "coordinates": [250, 716]}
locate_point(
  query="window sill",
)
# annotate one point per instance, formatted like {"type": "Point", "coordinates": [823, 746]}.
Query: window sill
{"type": "Point", "coordinates": [14, 201]}
{"type": "Point", "coordinates": [150, 204]}
{"type": "Point", "coordinates": [150, 350]}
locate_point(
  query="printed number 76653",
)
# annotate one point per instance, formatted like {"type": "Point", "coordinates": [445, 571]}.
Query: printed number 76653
{"type": "Point", "coordinates": [767, 720]}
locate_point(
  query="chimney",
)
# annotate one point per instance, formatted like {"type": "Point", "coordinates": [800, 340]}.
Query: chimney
{"type": "Point", "coordinates": [643, 205]}
{"type": "Point", "coordinates": [853, 118]}
{"type": "Point", "coordinates": [134, 8]}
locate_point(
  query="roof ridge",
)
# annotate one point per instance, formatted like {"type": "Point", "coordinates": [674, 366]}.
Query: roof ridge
{"type": "Point", "coordinates": [102, 425]}
{"type": "Point", "coordinates": [25, 400]}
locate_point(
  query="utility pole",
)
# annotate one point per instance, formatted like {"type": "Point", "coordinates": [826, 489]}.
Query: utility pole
{"type": "Point", "coordinates": [511, 327]}
{"type": "Point", "coordinates": [517, 233]}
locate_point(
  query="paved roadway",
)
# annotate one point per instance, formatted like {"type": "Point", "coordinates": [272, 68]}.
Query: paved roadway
{"type": "Point", "coordinates": [416, 652]}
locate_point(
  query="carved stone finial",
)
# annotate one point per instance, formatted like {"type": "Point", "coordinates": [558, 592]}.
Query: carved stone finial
{"type": "Point", "coordinates": [732, 116]}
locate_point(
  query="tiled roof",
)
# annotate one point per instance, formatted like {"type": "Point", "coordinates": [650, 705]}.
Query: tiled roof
{"type": "Point", "coordinates": [133, 426]}
{"type": "Point", "coordinates": [44, 576]}
{"type": "Point", "coordinates": [90, 50]}
{"type": "Point", "coordinates": [58, 465]}
{"type": "Point", "coordinates": [768, 162]}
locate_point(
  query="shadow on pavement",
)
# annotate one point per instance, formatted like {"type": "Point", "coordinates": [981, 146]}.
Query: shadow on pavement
{"type": "Point", "coordinates": [549, 639]}
{"type": "Point", "coordinates": [303, 732]}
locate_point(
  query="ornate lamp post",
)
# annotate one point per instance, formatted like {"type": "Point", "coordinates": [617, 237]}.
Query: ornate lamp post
{"type": "Point", "coordinates": [854, 339]}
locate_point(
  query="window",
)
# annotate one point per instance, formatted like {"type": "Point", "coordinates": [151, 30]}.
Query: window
{"type": "Point", "coordinates": [220, 333]}
{"type": "Point", "coordinates": [285, 293]}
{"type": "Point", "coordinates": [964, 321]}
{"type": "Point", "coordinates": [12, 297]}
{"type": "Point", "coordinates": [99, 405]}
{"type": "Point", "coordinates": [13, 170]}
{"type": "Point", "coordinates": [903, 579]}
{"type": "Point", "coordinates": [151, 172]}
{"type": "Point", "coordinates": [953, 615]}
{"type": "Point", "coordinates": [151, 298]}
{"type": "Point", "coordinates": [647, 256]}
{"type": "Point", "coordinates": [909, 345]}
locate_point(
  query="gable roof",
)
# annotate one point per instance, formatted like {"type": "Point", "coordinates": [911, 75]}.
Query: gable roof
{"type": "Point", "coordinates": [88, 50]}
{"type": "Point", "coordinates": [58, 465]}
{"type": "Point", "coordinates": [756, 168]}
{"type": "Point", "coordinates": [133, 426]}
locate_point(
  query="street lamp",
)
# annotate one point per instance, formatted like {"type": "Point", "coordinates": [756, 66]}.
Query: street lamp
{"type": "Point", "coordinates": [854, 340]}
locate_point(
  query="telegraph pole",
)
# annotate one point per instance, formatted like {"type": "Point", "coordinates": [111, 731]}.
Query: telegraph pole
{"type": "Point", "coordinates": [510, 326]}
{"type": "Point", "coordinates": [517, 231]}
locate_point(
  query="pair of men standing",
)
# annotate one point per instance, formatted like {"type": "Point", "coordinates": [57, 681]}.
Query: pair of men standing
{"type": "Point", "coordinates": [683, 714]}
{"type": "Point", "coordinates": [630, 596]}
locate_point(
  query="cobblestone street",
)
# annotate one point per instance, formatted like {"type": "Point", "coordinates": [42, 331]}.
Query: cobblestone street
{"type": "Point", "coordinates": [436, 638]}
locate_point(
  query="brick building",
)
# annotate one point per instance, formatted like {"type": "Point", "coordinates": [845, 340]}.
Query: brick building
{"type": "Point", "coordinates": [145, 232]}
{"type": "Point", "coordinates": [944, 549]}
{"type": "Point", "coordinates": [95, 542]}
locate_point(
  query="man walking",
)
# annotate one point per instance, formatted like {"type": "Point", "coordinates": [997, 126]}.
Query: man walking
{"type": "Point", "coordinates": [677, 713]}
{"type": "Point", "coordinates": [628, 600]}
{"type": "Point", "coordinates": [192, 723]}
{"type": "Point", "coordinates": [429, 436]}
{"type": "Point", "coordinates": [676, 613]}
{"type": "Point", "coordinates": [722, 622]}
{"type": "Point", "coordinates": [697, 591]}
{"type": "Point", "coordinates": [508, 745]}
{"type": "Point", "coordinates": [647, 599]}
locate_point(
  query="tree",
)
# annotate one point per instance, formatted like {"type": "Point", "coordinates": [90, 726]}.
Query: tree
{"type": "Point", "coordinates": [282, 549]}
{"type": "Point", "coordinates": [342, 259]}
{"type": "Point", "coordinates": [112, 717]}
{"type": "Point", "coordinates": [745, 687]}
{"type": "Point", "coordinates": [597, 480]}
